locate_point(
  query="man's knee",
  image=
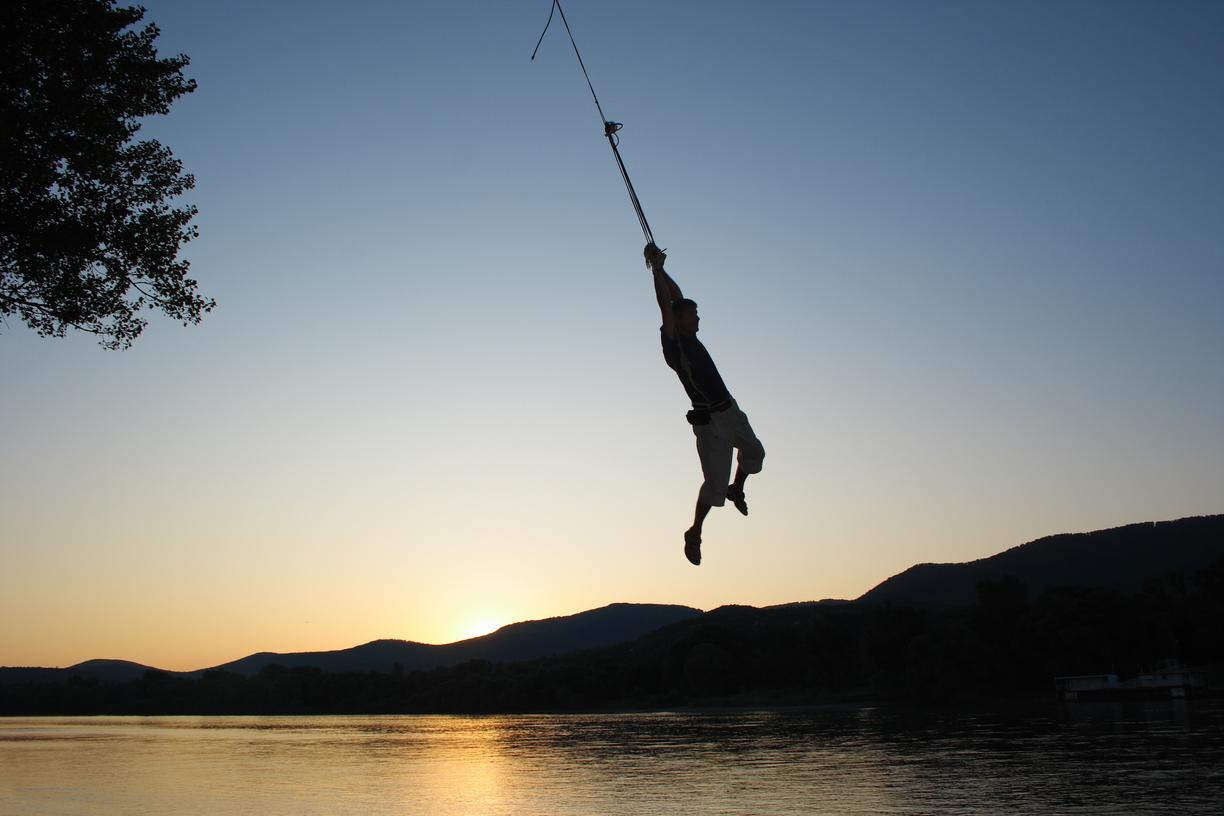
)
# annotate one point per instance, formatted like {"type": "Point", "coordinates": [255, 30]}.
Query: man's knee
{"type": "Point", "coordinates": [752, 458]}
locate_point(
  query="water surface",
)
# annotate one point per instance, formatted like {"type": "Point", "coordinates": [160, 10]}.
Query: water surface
{"type": "Point", "coordinates": [1089, 758]}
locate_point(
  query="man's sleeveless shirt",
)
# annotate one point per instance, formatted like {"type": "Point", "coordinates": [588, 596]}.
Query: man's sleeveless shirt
{"type": "Point", "coordinates": [689, 359]}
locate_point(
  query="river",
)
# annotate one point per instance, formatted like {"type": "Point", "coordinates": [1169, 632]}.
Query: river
{"type": "Point", "coordinates": [1085, 758]}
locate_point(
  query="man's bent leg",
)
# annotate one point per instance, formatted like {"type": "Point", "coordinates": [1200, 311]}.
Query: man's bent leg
{"type": "Point", "coordinates": [751, 458]}
{"type": "Point", "coordinates": [735, 490]}
{"type": "Point", "coordinates": [741, 476]}
{"type": "Point", "coordinates": [751, 453]}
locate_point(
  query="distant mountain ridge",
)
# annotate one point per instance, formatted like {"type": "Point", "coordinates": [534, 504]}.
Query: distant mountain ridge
{"type": "Point", "coordinates": [104, 671]}
{"type": "Point", "coordinates": [609, 625]}
{"type": "Point", "coordinates": [596, 628]}
{"type": "Point", "coordinates": [1120, 558]}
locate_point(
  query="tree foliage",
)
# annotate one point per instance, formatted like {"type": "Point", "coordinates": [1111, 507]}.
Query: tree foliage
{"type": "Point", "coordinates": [88, 238]}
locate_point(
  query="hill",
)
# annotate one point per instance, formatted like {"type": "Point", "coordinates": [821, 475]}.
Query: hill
{"type": "Point", "coordinates": [596, 628]}
{"type": "Point", "coordinates": [528, 640]}
{"type": "Point", "coordinates": [1121, 559]}
{"type": "Point", "coordinates": [103, 671]}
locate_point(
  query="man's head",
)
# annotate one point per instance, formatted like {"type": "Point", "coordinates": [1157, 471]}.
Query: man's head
{"type": "Point", "coordinates": [685, 312]}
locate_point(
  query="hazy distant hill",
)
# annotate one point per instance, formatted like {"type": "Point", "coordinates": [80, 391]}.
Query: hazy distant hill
{"type": "Point", "coordinates": [596, 628]}
{"type": "Point", "coordinates": [1121, 558]}
{"type": "Point", "coordinates": [104, 671]}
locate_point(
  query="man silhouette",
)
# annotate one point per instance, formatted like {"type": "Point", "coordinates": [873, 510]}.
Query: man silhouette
{"type": "Point", "coordinates": [718, 423]}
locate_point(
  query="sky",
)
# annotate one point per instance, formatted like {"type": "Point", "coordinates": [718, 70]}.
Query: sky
{"type": "Point", "coordinates": [961, 263]}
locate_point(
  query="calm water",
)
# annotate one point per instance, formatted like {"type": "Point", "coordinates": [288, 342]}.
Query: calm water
{"type": "Point", "coordinates": [1093, 758]}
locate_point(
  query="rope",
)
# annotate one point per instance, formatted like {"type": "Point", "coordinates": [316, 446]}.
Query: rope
{"type": "Point", "coordinates": [637, 205]}
{"type": "Point", "coordinates": [610, 128]}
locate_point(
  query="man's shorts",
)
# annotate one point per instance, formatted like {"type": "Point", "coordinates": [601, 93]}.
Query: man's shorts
{"type": "Point", "coordinates": [725, 431]}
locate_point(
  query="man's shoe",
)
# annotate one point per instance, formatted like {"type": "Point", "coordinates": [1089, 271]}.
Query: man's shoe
{"type": "Point", "coordinates": [692, 546]}
{"type": "Point", "coordinates": [736, 496]}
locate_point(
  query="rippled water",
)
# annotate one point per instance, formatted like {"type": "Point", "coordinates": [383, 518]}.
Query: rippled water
{"type": "Point", "coordinates": [1095, 758]}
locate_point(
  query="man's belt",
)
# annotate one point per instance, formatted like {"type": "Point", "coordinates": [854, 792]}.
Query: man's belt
{"type": "Point", "coordinates": [701, 416]}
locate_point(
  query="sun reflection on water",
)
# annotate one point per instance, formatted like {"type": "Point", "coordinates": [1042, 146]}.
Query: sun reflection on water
{"type": "Point", "coordinates": [845, 761]}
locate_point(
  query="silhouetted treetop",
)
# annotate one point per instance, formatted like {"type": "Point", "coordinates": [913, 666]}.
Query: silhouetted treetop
{"type": "Point", "coordinates": [88, 239]}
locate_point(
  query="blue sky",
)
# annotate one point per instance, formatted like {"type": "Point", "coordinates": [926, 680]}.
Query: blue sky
{"type": "Point", "coordinates": [960, 263]}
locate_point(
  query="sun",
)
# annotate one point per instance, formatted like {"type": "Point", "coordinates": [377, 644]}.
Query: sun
{"type": "Point", "coordinates": [480, 627]}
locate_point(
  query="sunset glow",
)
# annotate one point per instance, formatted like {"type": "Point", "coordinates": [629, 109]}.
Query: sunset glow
{"type": "Point", "coordinates": [482, 627]}
{"type": "Point", "coordinates": [960, 263]}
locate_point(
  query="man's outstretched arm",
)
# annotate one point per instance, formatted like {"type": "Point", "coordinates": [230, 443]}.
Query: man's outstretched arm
{"type": "Point", "coordinates": [666, 290]}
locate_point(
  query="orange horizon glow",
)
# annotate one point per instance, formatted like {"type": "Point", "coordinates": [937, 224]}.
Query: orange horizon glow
{"type": "Point", "coordinates": [481, 627]}
{"type": "Point", "coordinates": [963, 277]}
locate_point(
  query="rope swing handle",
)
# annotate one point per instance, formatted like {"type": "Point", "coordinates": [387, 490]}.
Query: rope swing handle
{"type": "Point", "coordinates": [610, 128]}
